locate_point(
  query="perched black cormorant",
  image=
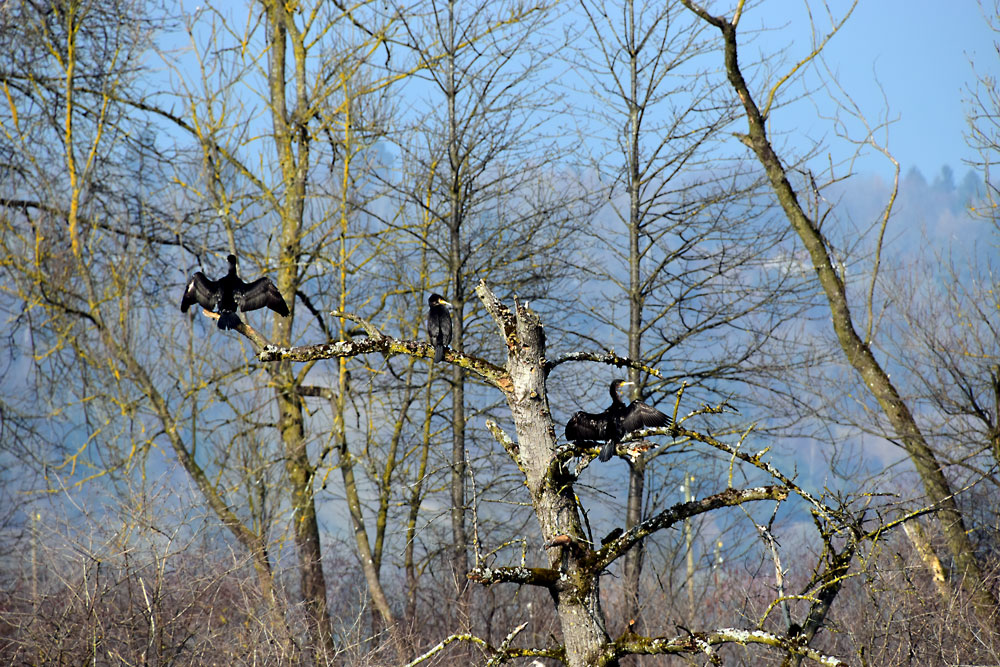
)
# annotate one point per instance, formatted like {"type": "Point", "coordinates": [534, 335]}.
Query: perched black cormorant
{"type": "Point", "coordinates": [229, 293]}
{"type": "Point", "coordinates": [612, 424]}
{"type": "Point", "coordinates": [439, 325]}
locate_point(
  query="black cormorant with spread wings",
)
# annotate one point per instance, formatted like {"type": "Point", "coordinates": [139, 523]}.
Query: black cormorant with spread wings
{"type": "Point", "coordinates": [439, 325]}
{"type": "Point", "coordinates": [612, 424]}
{"type": "Point", "coordinates": [229, 293]}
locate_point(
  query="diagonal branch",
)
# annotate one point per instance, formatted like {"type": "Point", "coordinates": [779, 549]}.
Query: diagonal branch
{"type": "Point", "coordinates": [500, 655]}
{"type": "Point", "coordinates": [857, 351]}
{"type": "Point", "coordinates": [668, 517]}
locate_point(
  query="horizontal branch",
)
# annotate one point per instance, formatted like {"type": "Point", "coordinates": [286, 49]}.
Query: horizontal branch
{"type": "Point", "coordinates": [609, 358]}
{"type": "Point", "coordinates": [668, 517]}
{"type": "Point", "coordinates": [701, 642]}
{"type": "Point", "coordinates": [383, 344]}
{"type": "Point", "coordinates": [528, 576]}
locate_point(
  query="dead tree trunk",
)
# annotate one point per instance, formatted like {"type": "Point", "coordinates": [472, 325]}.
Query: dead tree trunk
{"type": "Point", "coordinates": [575, 566]}
{"type": "Point", "coordinates": [570, 578]}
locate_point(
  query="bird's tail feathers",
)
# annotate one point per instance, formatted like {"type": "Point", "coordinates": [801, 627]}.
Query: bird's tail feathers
{"type": "Point", "coordinates": [607, 451]}
{"type": "Point", "coordinates": [228, 320]}
{"type": "Point", "coordinates": [438, 353]}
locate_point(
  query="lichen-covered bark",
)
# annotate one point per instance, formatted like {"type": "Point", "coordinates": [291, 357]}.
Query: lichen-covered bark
{"type": "Point", "coordinates": [574, 568]}
{"type": "Point", "coordinates": [292, 145]}
{"type": "Point", "coordinates": [577, 593]}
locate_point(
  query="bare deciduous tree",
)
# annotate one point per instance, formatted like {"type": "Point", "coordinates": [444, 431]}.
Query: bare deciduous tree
{"type": "Point", "coordinates": [856, 346]}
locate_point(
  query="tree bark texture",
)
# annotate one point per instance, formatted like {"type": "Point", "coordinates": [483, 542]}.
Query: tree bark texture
{"type": "Point", "coordinates": [292, 145]}
{"type": "Point", "coordinates": [575, 566]}
{"type": "Point", "coordinates": [577, 591]}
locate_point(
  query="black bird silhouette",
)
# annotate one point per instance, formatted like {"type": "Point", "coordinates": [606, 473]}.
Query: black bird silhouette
{"type": "Point", "coordinates": [439, 325]}
{"type": "Point", "coordinates": [229, 293]}
{"type": "Point", "coordinates": [612, 424]}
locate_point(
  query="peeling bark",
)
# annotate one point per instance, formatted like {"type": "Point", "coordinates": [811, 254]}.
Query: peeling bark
{"type": "Point", "coordinates": [577, 593]}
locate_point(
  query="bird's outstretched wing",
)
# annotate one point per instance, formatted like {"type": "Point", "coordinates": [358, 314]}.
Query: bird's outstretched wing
{"type": "Point", "coordinates": [640, 415]}
{"type": "Point", "coordinates": [202, 291]}
{"type": "Point", "coordinates": [587, 426]}
{"type": "Point", "coordinates": [261, 293]}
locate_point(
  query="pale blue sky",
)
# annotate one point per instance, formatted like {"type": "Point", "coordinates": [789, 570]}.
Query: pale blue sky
{"type": "Point", "coordinates": [922, 53]}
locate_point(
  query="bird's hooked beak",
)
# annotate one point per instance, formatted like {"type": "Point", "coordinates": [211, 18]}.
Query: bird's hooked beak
{"type": "Point", "coordinates": [623, 384]}
{"type": "Point", "coordinates": [445, 303]}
